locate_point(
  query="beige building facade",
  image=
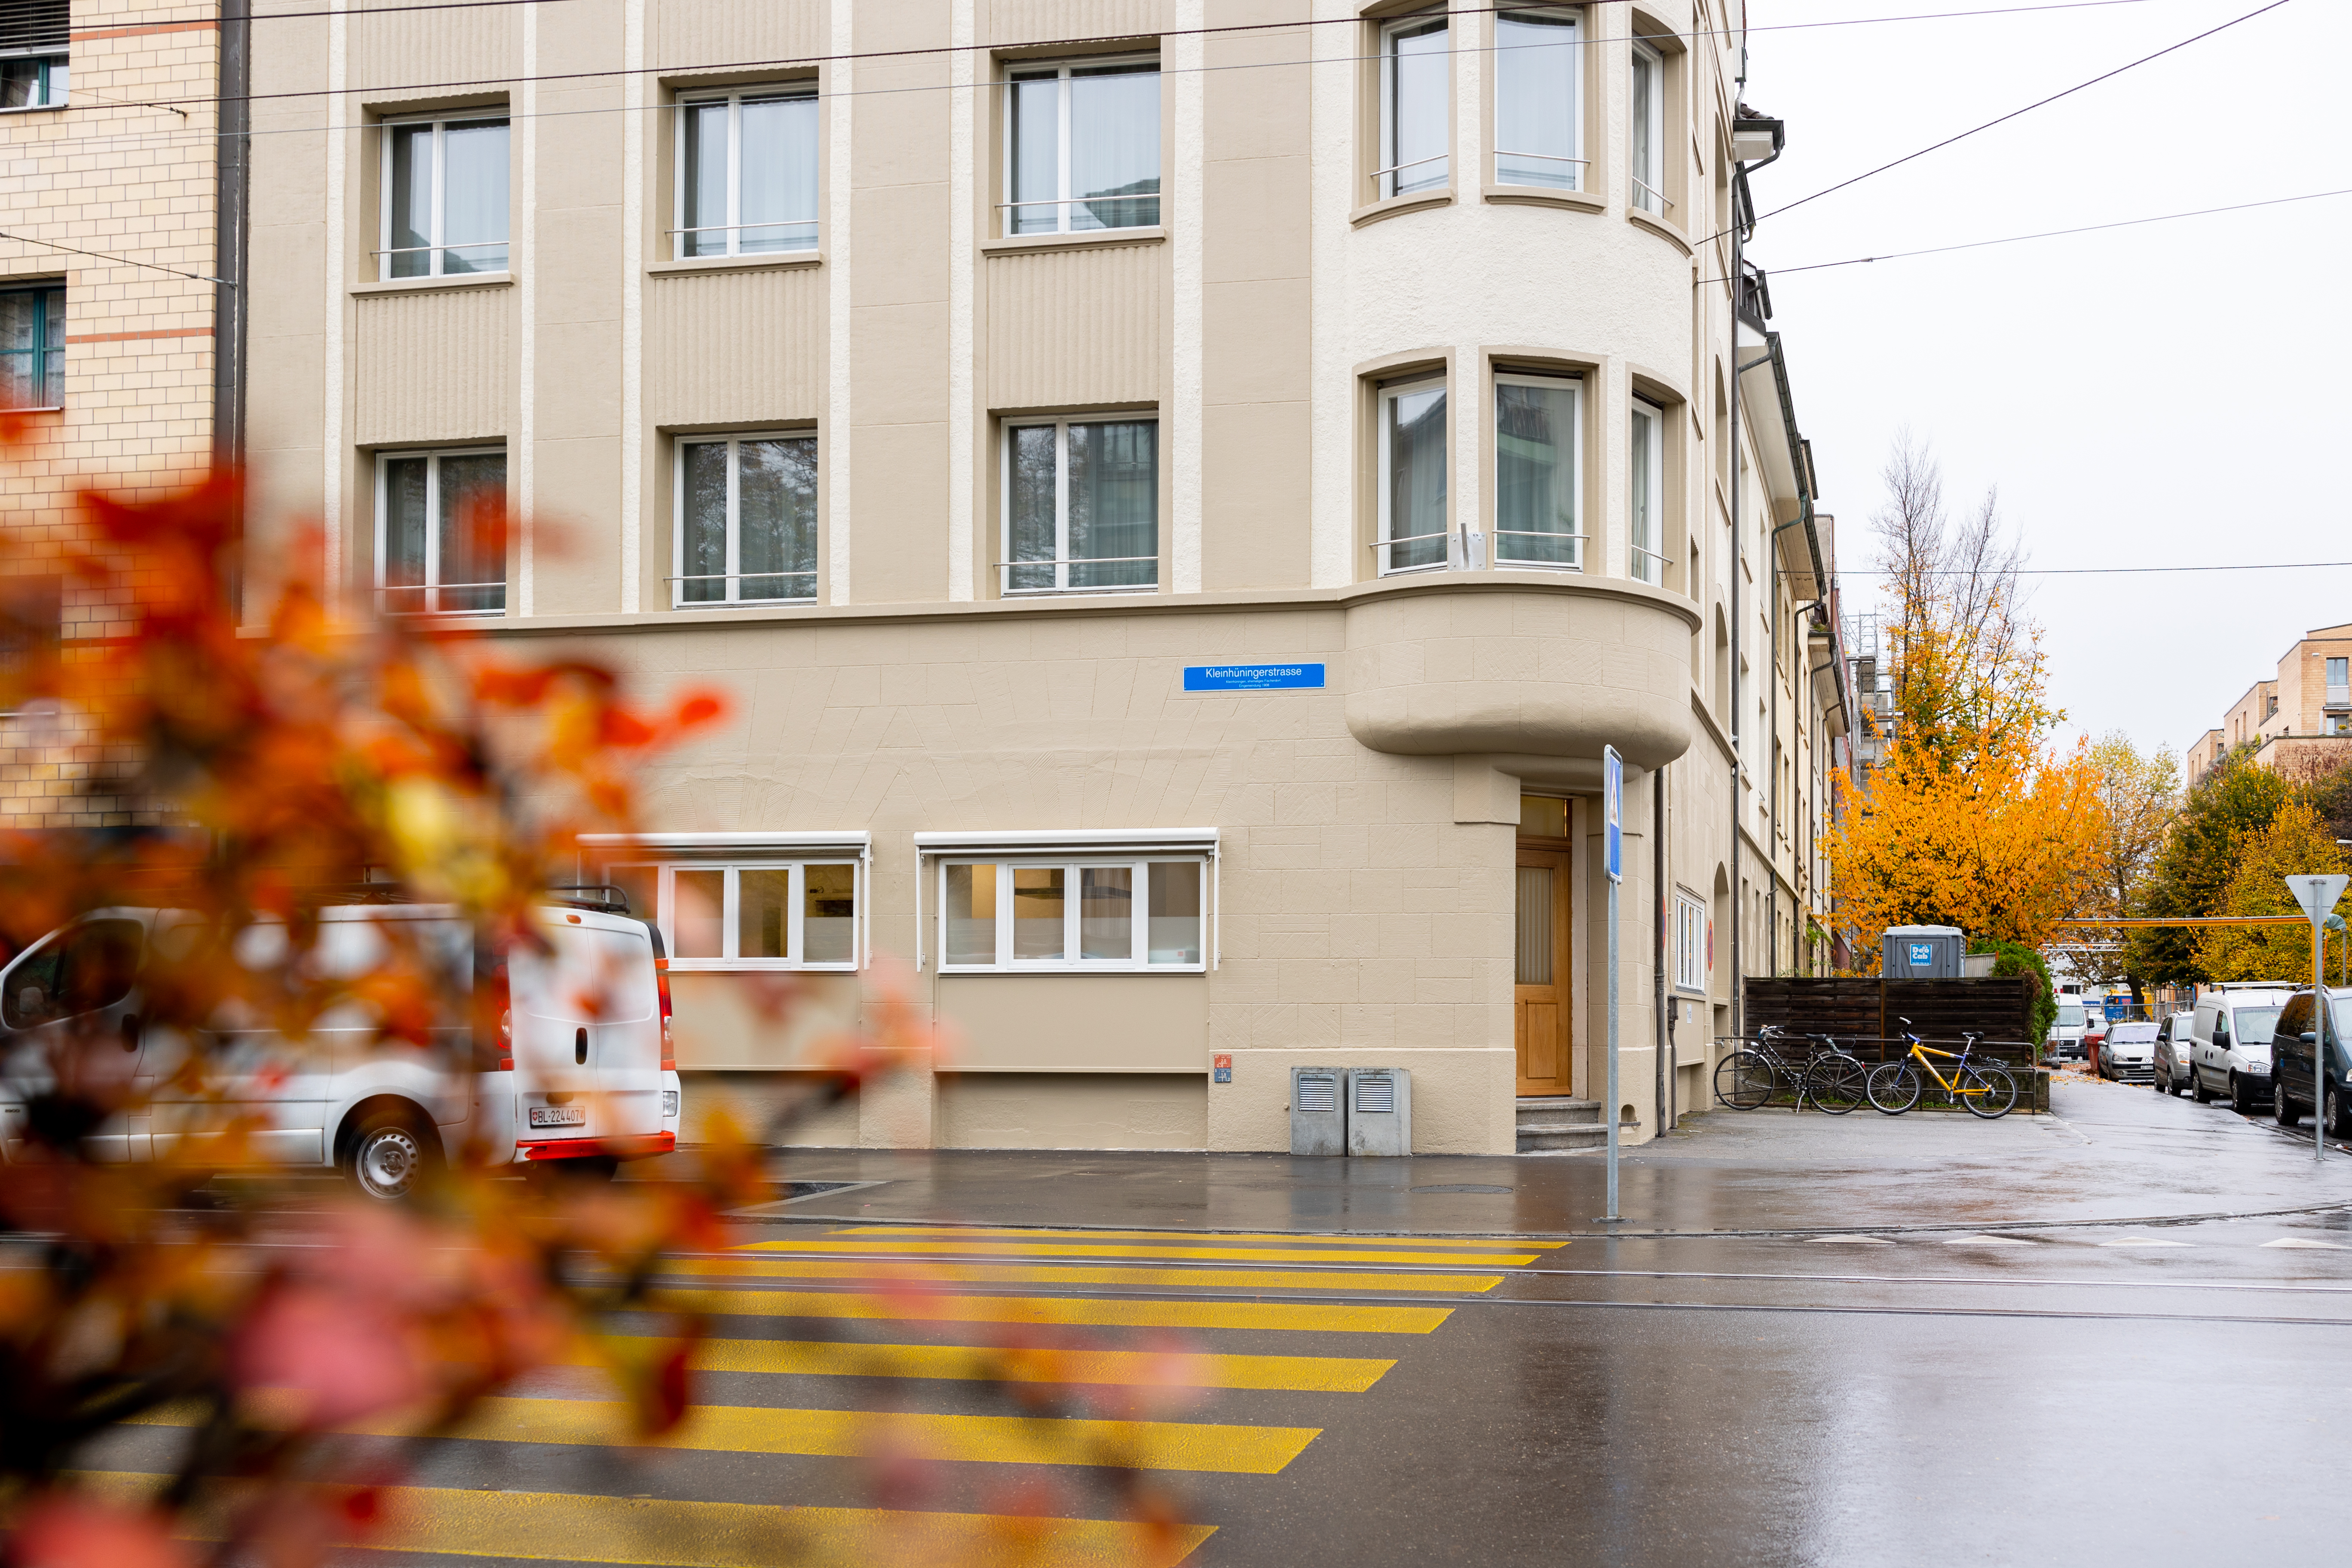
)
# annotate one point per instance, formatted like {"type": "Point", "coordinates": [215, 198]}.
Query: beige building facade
{"type": "Point", "coordinates": [2300, 720]}
{"type": "Point", "coordinates": [109, 296]}
{"type": "Point", "coordinates": [1180, 495]}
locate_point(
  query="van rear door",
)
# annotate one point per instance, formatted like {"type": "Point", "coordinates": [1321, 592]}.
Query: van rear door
{"type": "Point", "coordinates": [587, 1031]}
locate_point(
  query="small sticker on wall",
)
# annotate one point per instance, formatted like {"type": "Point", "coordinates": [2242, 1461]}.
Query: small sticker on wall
{"type": "Point", "coordinates": [1222, 1068]}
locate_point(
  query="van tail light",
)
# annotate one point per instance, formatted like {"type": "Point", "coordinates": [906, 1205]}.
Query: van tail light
{"type": "Point", "coordinates": [669, 1045]}
{"type": "Point", "coordinates": [505, 1039]}
{"type": "Point", "coordinates": [503, 999]}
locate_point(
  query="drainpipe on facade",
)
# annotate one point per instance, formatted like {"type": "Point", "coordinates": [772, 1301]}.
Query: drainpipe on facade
{"type": "Point", "coordinates": [1661, 1110]}
{"type": "Point", "coordinates": [230, 227]}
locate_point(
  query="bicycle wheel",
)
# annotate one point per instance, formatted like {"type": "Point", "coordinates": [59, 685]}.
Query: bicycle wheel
{"type": "Point", "coordinates": [1894, 1087]}
{"type": "Point", "coordinates": [1743, 1080]}
{"type": "Point", "coordinates": [1837, 1084]}
{"type": "Point", "coordinates": [1987, 1091]}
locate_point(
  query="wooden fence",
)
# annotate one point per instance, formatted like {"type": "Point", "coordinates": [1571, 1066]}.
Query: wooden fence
{"type": "Point", "coordinates": [1866, 1018]}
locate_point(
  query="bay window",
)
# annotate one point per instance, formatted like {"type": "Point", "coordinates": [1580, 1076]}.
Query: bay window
{"type": "Point", "coordinates": [1415, 102]}
{"type": "Point", "coordinates": [747, 520]}
{"type": "Point", "coordinates": [747, 173]}
{"type": "Point", "coordinates": [1537, 436]}
{"type": "Point", "coordinates": [1646, 134]}
{"type": "Point", "coordinates": [445, 197]}
{"type": "Point", "coordinates": [1539, 100]}
{"type": "Point", "coordinates": [1645, 510]}
{"type": "Point", "coordinates": [1075, 914]}
{"type": "Point", "coordinates": [1081, 505]}
{"type": "Point", "coordinates": [1410, 477]}
{"type": "Point", "coordinates": [1082, 146]}
{"type": "Point", "coordinates": [440, 546]}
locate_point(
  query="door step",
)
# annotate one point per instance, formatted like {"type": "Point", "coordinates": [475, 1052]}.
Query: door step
{"type": "Point", "coordinates": [1554, 1123]}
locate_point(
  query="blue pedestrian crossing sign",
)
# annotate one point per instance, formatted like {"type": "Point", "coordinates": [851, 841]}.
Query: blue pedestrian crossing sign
{"type": "Point", "coordinates": [1612, 810]}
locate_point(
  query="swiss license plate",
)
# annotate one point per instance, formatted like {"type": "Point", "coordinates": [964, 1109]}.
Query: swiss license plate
{"type": "Point", "coordinates": [559, 1116]}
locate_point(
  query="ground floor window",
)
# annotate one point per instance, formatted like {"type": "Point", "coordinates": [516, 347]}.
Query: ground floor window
{"type": "Point", "coordinates": [1061, 914]}
{"type": "Point", "coordinates": [440, 544]}
{"type": "Point", "coordinates": [747, 913]}
{"type": "Point", "coordinates": [1690, 942]}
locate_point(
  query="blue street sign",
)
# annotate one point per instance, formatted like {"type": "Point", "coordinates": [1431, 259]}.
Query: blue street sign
{"type": "Point", "coordinates": [1251, 677]}
{"type": "Point", "coordinates": [1613, 807]}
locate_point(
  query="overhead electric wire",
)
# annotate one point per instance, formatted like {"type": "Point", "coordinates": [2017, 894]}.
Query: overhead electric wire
{"type": "Point", "coordinates": [2107, 571]}
{"type": "Point", "coordinates": [107, 256]}
{"type": "Point", "coordinates": [2046, 234]}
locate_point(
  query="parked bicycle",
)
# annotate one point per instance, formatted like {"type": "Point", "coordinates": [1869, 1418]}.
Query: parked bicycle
{"type": "Point", "coordinates": [1834, 1081]}
{"type": "Point", "coordinates": [1986, 1089]}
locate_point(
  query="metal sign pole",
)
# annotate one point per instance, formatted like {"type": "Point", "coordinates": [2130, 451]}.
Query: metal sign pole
{"type": "Point", "coordinates": [1612, 806]}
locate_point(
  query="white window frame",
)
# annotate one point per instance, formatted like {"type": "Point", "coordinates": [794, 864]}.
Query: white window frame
{"type": "Point", "coordinates": [1380, 476]}
{"type": "Point", "coordinates": [670, 853]}
{"type": "Point", "coordinates": [1648, 185]}
{"type": "Point", "coordinates": [1062, 562]}
{"type": "Point", "coordinates": [1575, 16]}
{"type": "Point", "coordinates": [733, 98]}
{"type": "Point", "coordinates": [432, 588]}
{"type": "Point", "coordinates": [1647, 564]}
{"type": "Point", "coordinates": [1690, 942]}
{"type": "Point", "coordinates": [1384, 173]}
{"type": "Point", "coordinates": [1061, 200]}
{"type": "Point", "coordinates": [438, 241]}
{"type": "Point", "coordinates": [732, 441]}
{"type": "Point", "coordinates": [1575, 384]}
{"type": "Point", "coordinates": [1138, 959]}
{"type": "Point", "coordinates": [56, 78]}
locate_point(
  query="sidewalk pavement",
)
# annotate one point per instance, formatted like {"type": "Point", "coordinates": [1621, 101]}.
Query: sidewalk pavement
{"type": "Point", "coordinates": [2106, 1154]}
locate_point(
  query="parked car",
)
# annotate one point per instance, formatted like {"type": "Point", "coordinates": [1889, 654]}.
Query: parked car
{"type": "Point", "coordinates": [2127, 1054]}
{"type": "Point", "coordinates": [2298, 1040]}
{"type": "Point", "coordinates": [2230, 1035]}
{"type": "Point", "coordinates": [2174, 1068]}
{"type": "Point", "coordinates": [2066, 1033]}
{"type": "Point", "coordinates": [584, 1070]}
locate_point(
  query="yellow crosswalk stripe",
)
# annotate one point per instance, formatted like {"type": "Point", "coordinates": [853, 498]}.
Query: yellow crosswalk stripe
{"type": "Point", "coordinates": [834, 1358]}
{"type": "Point", "coordinates": [1194, 1445]}
{"type": "Point", "coordinates": [1275, 1238]}
{"type": "Point", "coordinates": [1308, 1317]}
{"type": "Point", "coordinates": [1145, 1249]}
{"type": "Point", "coordinates": [533, 1527]}
{"type": "Point", "coordinates": [1075, 1274]}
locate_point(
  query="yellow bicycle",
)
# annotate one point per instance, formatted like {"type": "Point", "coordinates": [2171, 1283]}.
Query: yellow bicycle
{"type": "Point", "coordinates": [1986, 1089]}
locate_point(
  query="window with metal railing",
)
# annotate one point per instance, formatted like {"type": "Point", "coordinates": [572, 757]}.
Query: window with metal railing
{"type": "Point", "coordinates": [1082, 146]}
{"type": "Point", "coordinates": [747, 173]}
{"type": "Point", "coordinates": [1415, 101]}
{"type": "Point", "coordinates": [445, 197]}
{"type": "Point", "coordinates": [440, 547]}
{"type": "Point", "coordinates": [1412, 477]}
{"type": "Point", "coordinates": [1539, 98]}
{"type": "Point", "coordinates": [1081, 506]}
{"type": "Point", "coordinates": [1646, 494]}
{"type": "Point", "coordinates": [1538, 441]}
{"type": "Point", "coordinates": [1646, 132]}
{"type": "Point", "coordinates": [747, 520]}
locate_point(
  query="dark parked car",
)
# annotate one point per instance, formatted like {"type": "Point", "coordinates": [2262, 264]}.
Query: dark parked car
{"type": "Point", "coordinates": [2297, 1039]}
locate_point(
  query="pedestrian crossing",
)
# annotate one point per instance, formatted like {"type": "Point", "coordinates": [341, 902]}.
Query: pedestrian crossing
{"type": "Point", "coordinates": [886, 1344]}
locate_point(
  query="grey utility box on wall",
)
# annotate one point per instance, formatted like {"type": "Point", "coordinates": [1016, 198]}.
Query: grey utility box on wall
{"type": "Point", "coordinates": [1319, 1111]}
{"type": "Point", "coordinates": [1923, 953]}
{"type": "Point", "coordinates": [1379, 1110]}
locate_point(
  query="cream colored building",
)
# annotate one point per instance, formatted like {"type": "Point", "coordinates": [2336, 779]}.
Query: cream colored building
{"type": "Point", "coordinates": [108, 122]}
{"type": "Point", "coordinates": [1180, 495]}
{"type": "Point", "coordinates": [2299, 720]}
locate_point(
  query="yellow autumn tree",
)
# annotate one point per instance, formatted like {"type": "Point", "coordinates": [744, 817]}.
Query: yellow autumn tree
{"type": "Point", "coordinates": [1970, 820]}
{"type": "Point", "coordinates": [2298, 842]}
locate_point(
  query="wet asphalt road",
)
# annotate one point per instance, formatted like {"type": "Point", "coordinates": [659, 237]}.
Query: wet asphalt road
{"type": "Point", "coordinates": [1864, 1341]}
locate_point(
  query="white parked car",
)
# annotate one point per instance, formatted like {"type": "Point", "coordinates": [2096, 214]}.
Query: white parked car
{"type": "Point", "coordinates": [2128, 1054]}
{"type": "Point", "coordinates": [584, 1069]}
{"type": "Point", "coordinates": [2231, 1038]}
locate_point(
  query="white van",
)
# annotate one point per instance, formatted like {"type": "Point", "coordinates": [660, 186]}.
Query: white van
{"type": "Point", "coordinates": [2230, 1041]}
{"type": "Point", "coordinates": [584, 1070]}
{"type": "Point", "coordinates": [2066, 1033]}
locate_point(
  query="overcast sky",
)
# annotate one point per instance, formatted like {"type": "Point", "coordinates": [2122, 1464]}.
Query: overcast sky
{"type": "Point", "coordinates": [2174, 394]}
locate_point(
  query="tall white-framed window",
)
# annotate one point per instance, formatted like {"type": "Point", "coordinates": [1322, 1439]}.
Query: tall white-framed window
{"type": "Point", "coordinates": [1416, 103]}
{"type": "Point", "coordinates": [1058, 915]}
{"type": "Point", "coordinates": [1410, 477]}
{"type": "Point", "coordinates": [1081, 505]}
{"type": "Point", "coordinates": [1646, 132]}
{"type": "Point", "coordinates": [440, 538]}
{"type": "Point", "coordinates": [445, 197]}
{"type": "Point", "coordinates": [751, 912]}
{"type": "Point", "coordinates": [1645, 520]}
{"type": "Point", "coordinates": [1539, 96]}
{"type": "Point", "coordinates": [1082, 146]}
{"type": "Point", "coordinates": [747, 171]}
{"type": "Point", "coordinates": [1539, 467]}
{"type": "Point", "coordinates": [1690, 941]}
{"type": "Point", "coordinates": [746, 520]}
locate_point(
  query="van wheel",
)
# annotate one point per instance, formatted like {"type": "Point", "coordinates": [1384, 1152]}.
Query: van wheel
{"type": "Point", "coordinates": [2283, 1110]}
{"type": "Point", "coordinates": [390, 1155]}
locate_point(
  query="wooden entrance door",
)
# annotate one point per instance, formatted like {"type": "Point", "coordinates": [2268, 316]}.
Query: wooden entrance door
{"type": "Point", "coordinates": [1541, 1013]}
